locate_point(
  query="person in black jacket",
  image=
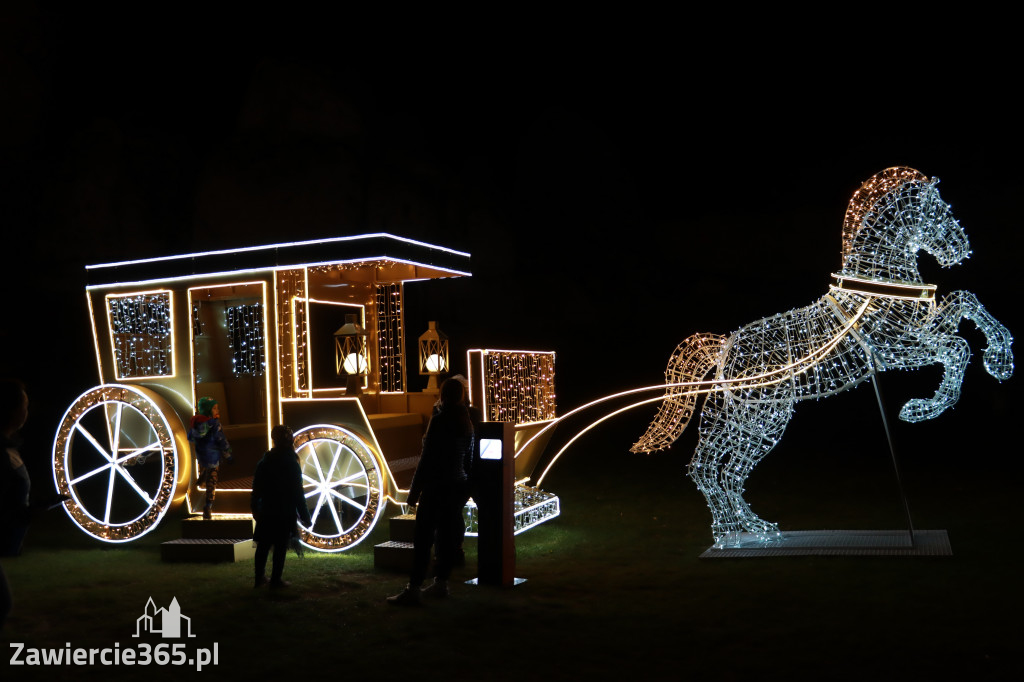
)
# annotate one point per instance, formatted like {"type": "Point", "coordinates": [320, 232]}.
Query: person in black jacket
{"type": "Point", "coordinates": [440, 487]}
{"type": "Point", "coordinates": [277, 500]}
{"type": "Point", "coordinates": [16, 508]}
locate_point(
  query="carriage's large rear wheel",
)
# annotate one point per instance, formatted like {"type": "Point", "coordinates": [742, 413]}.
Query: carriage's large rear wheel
{"type": "Point", "coordinates": [116, 456]}
{"type": "Point", "coordinates": [343, 487]}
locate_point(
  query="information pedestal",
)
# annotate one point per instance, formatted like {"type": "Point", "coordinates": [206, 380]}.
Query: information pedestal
{"type": "Point", "coordinates": [494, 496]}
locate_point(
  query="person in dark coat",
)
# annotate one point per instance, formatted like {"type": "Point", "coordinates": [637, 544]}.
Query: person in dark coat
{"type": "Point", "coordinates": [277, 500]}
{"type": "Point", "coordinates": [440, 487]}
{"type": "Point", "coordinates": [16, 508]}
{"type": "Point", "coordinates": [476, 418]}
{"type": "Point", "coordinates": [14, 482]}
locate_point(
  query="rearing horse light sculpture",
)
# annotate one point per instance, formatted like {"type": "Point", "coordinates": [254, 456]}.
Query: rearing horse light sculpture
{"type": "Point", "coordinates": [878, 315]}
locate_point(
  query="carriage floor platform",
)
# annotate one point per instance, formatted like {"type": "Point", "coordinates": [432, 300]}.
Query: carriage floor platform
{"type": "Point", "coordinates": [834, 543]}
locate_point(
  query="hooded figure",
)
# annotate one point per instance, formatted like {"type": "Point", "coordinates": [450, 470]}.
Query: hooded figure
{"type": "Point", "coordinates": [211, 445]}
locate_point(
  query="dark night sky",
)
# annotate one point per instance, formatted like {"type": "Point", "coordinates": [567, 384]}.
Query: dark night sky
{"type": "Point", "coordinates": [637, 180]}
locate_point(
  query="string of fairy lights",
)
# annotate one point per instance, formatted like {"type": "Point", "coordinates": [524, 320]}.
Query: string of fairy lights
{"type": "Point", "coordinates": [519, 386]}
{"type": "Point", "coordinates": [291, 327]}
{"type": "Point", "coordinates": [140, 327]}
{"type": "Point", "coordinates": [879, 315]}
{"type": "Point", "coordinates": [390, 340]}
{"type": "Point", "coordinates": [245, 334]}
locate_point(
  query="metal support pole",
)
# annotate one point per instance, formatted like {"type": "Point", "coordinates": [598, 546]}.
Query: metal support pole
{"type": "Point", "coordinates": [892, 451]}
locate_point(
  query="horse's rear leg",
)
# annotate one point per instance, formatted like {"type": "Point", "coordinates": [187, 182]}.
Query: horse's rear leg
{"type": "Point", "coordinates": [733, 440]}
{"type": "Point", "coordinates": [760, 426]}
{"type": "Point", "coordinates": [704, 468]}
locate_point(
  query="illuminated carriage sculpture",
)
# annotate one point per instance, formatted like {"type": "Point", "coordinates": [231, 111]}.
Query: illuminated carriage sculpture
{"type": "Point", "coordinates": [258, 330]}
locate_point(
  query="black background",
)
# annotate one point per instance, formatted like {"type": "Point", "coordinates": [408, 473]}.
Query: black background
{"type": "Point", "coordinates": [621, 181]}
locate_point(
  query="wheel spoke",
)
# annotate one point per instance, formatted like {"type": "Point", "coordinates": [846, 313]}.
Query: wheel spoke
{"type": "Point", "coordinates": [115, 439]}
{"type": "Point", "coordinates": [81, 478]}
{"type": "Point", "coordinates": [110, 495]}
{"type": "Point", "coordinates": [334, 463]}
{"type": "Point", "coordinates": [131, 481]}
{"type": "Point", "coordinates": [347, 499]}
{"type": "Point", "coordinates": [319, 469]}
{"type": "Point", "coordinates": [316, 511]}
{"type": "Point", "coordinates": [89, 437]}
{"type": "Point", "coordinates": [347, 479]}
{"type": "Point", "coordinates": [135, 453]}
{"type": "Point", "coordinates": [337, 521]}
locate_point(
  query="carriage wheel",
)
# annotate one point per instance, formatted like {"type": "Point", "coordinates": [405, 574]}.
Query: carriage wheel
{"type": "Point", "coordinates": [116, 457]}
{"type": "Point", "coordinates": [342, 484]}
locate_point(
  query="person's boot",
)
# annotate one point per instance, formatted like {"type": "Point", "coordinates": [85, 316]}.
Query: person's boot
{"type": "Point", "coordinates": [436, 590]}
{"type": "Point", "coordinates": [207, 513]}
{"type": "Point", "coordinates": [410, 596]}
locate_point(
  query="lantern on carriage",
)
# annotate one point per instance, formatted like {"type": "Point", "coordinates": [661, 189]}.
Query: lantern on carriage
{"type": "Point", "coordinates": [350, 354]}
{"type": "Point", "coordinates": [433, 354]}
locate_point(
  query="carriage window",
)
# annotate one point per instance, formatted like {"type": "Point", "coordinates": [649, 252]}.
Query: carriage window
{"type": "Point", "coordinates": [245, 328]}
{"type": "Point", "coordinates": [324, 318]}
{"type": "Point", "coordinates": [140, 330]}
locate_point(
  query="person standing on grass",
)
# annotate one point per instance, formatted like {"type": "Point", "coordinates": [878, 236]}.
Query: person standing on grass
{"type": "Point", "coordinates": [15, 486]}
{"type": "Point", "coordinates": [277, 500]}
{"type": "Point", "coordinates": [440, 487]}
{"type": "Point", "coordinates": [211, 445]}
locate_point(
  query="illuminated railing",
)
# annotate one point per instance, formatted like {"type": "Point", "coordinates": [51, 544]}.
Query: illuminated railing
{"type": "Point", "coordinates": [532, 506]}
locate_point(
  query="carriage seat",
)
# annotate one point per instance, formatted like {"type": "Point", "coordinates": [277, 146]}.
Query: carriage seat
{"type": "Point", "coordinates": [215, 390]}
{"type": "Point", "coordinates": [400, 435]}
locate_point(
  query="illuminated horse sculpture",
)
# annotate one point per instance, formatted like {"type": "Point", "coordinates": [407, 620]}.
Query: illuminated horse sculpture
{"type": "Point", "coordinates": [878, 315]}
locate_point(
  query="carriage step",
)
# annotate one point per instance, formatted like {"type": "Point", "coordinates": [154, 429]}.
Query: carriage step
{"type": "Point", "coordinates": [208, 550]}
{"type": "Point", "coordinates": [402, 528]}
{"type": "Point", "coordinates": [393, 556]}
{"type": "Point", "coordinates": [195, 528]}
{"type": "Point", "coordinates": [234, 501]}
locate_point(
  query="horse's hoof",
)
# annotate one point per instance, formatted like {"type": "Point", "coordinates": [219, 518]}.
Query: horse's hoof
{"type": "Point", "coordinates": [919, 409]}
{"type": "Point", "coordinates": [999, 363]}
{"type": "Point", "coordinates": [760, 526]}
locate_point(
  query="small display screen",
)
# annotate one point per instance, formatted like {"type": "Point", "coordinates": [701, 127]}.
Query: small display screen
{"type": "Point", "coordinates": [490, 448]}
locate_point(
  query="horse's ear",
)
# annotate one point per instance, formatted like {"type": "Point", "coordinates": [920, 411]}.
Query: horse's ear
{"type": "Point", "coordinates": [873, 189]}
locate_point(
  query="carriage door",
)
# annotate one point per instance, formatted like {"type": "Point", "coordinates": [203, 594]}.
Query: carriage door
{"type": "Point", "coordinates": [229, 364]}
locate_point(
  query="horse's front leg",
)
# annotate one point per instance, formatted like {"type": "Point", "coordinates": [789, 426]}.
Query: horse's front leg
{"type": "Point", "coordinates": [954, 353]}
{"type": "Point", "coordinates": [998, 354]}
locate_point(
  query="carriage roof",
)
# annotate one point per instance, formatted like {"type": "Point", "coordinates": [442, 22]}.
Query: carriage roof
{"type": "Point", "coordinates": [399, 259]}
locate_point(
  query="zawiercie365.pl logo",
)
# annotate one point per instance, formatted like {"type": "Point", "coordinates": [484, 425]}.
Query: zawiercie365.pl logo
{"type": "Point", "coordinates": [169, 623]}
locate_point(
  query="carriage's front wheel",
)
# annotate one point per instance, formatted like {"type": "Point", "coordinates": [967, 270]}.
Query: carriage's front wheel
{"type": "Point", "coordinates": [343, 487]}
{"type": "Point", "coordinates": [116, 457]}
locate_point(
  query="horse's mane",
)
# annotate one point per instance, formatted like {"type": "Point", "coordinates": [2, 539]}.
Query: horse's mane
{"type": "Point", "coordinates": [873, 189]}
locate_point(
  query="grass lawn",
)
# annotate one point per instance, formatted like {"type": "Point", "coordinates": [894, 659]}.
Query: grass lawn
{"type": "Point", "coordinates": [614, 587]}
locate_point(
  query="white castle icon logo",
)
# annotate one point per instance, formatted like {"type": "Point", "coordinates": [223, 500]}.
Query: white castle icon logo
{"type": "Point", "coordinates": [167, 622]}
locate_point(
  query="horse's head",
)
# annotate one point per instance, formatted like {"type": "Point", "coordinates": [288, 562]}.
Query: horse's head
{"type": "Point", "coordinates": [893, 215]}
{"type": "Point", "coordinates": [934, 229]}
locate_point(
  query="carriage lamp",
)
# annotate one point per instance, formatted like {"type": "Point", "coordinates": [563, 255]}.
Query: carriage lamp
{"type": "Point", "coordinates": [433, 354]}
{"type": "Point", "coordinates": [350, 354]}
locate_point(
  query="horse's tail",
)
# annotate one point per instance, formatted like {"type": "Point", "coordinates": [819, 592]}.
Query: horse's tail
{"type": "Point", "coordinates": [690, 362]}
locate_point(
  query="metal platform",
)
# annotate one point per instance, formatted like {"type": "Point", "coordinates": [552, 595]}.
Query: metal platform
{"type": "Point", "coordinates": [393, 555]}
{"type": "Point", "coordinates": [832, 543]}
{"type": "Point", "coordinates": [208, 549]}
